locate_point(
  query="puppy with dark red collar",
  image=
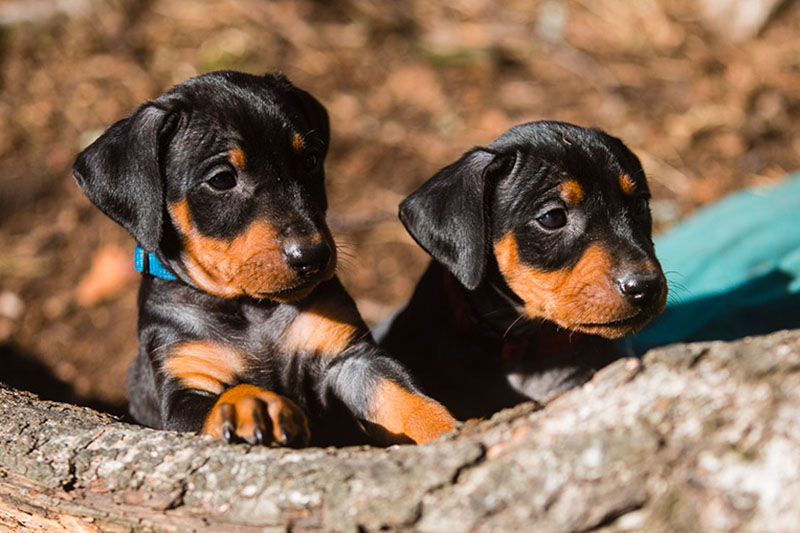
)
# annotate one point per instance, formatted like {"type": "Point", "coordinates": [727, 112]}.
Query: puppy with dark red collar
{"type": "Point", "coordinates": [245, 333]}
{"type": "Point", "coordinates": [542, 253]}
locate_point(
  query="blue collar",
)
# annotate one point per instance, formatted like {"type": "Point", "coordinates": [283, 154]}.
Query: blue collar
{"type": "Point", "coordinates": [149, 262]}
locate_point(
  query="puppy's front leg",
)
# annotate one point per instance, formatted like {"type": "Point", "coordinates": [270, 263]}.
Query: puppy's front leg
{"type": "Point", "coordinates": [376, 389]}
{"type": "Point", "coordinates": [200, 394]}
{"type": "Point", "coordinates": [380, 394]}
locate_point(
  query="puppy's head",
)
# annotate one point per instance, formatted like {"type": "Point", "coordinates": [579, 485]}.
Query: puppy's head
{"type": "Point", "coordinates": [561, 213]}
{"type": "Point", "coordinates": [223, 177]}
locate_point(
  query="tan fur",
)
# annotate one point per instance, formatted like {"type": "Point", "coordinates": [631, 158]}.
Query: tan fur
{"type": "Point", "coordinates": [581, 298]}
{"type": "Point", "coordinates": [571, 192]}
{"type": "Point", "coordinates": [204, 365]}
{"type": "Point", "coordinates": [237, 158]}
{"type": "Point", "coordinates": [298, 143]}
{"type": "Point", "coordinates": [241, 403]}
{"type": "Point", "coordinates": [406, 415]}
{"type": "Point", "coordinates": [627, 184]}
{"type": "Point", "coordinates": [250, 264]}
{"type": "Point", "coordinates": [325, 328]}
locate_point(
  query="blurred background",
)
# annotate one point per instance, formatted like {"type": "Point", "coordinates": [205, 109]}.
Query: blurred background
{"type": "Point", "coordinates": [707, 93]}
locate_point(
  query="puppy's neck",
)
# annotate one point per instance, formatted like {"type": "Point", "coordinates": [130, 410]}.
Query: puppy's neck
{"type": "Point", "coordinates": [492, 309]}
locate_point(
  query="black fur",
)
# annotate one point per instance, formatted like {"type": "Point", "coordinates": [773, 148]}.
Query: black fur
{"type": "Point", "coordinates": [447, 216]}
{"type": "Point", "coordinates": [169, 153]}
{"type": "Point", "coordinates": [120, 174]}
{"type": "Point", "coordinates": [463, 210]}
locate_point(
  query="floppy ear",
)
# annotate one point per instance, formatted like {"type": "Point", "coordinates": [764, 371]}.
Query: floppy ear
{"type": "Point", "coordinates": [448, 217]}
{"type": "Point", "coordinates": [121, 174]}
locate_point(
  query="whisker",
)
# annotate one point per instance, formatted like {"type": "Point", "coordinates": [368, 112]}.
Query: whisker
{"type": "Point", "coordinates": [679, 288]}
{"type": "Point", "coordinates": [675, 299]}
{"type": "Point", "coordinates": [346, 254]}
{"type": "Point", "coordinates": [670, 275]}
{"type": "Point", "coordinates": [520, 317]}
{"type": "Point", "coordinates": [166, 345]}
{"type": "Point", "coordinates": [345, 266]}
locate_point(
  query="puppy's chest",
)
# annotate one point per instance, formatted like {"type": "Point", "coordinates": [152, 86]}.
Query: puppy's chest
{"type": "Point", "coordinates": [213, 347]}
{"type": "Point", "coordinates": [273, 341]}
{"type": "Point", "coordinates": [210, 343]}
{"type": "Point", "coordinates": [316, 330]}
{"type": "Point", "coordinates": [507, 373]}
{"type": "Point", "coordinates": [287, 348]}
{"type": "Point", "coordinates": [286, 344]}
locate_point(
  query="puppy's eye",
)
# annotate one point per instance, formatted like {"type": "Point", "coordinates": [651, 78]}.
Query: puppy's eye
{"type": "Point", "coordinates": [311, 162]}
{"type": "Point", "coordinates": [553, 219]}
{"type": "Point", "coordinates": [223, 181]}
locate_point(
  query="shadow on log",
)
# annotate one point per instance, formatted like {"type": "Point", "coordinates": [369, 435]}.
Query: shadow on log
{"type": "Point", "coordinates": [695, 437]}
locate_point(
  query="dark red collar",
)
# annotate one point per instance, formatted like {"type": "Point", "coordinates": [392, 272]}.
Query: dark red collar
{"type": "Point", "coordinates": [513, 349]}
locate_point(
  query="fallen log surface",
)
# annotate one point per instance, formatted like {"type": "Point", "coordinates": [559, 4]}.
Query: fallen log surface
{"type": "Point", "coordinates": [694, 437]}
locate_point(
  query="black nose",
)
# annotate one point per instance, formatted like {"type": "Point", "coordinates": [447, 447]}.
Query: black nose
{"type": "Point", "coordinates": [642, 289]}
{"type": "Point", "coordinates": [307, 257]}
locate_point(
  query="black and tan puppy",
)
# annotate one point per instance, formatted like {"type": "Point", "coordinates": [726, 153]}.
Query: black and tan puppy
{"type": "Point", "coordinates": [542, 252]}
{"type": "Point", "coordinates": [245, 333]}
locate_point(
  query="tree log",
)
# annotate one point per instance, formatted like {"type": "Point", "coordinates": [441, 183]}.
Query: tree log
{"type": "Point", "coordinates": [693, 437]}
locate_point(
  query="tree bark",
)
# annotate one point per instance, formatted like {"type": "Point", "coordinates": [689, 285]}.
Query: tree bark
{"type": "Point", "coordinates": [694, 437]}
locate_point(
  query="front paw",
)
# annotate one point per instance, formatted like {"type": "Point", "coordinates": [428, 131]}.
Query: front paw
{"type": "Point", "coordinates": [257, 416]}
{"type": "Point", "coordinates": [402, 416]}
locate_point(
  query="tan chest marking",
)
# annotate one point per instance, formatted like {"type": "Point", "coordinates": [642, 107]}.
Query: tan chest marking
{"type": "Point", "coordinates": [204, 365]}
{"type": "Point", "coordinates": [325, 328]}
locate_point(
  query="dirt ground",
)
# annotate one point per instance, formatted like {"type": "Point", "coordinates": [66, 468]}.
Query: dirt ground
{"type": "Point", "coordinates": [409, 85]}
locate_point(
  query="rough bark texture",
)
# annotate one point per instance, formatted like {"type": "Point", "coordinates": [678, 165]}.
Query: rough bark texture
{"type": "Point", "coordinates": [696, 437]}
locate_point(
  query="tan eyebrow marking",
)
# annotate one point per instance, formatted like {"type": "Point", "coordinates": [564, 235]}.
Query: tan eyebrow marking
{"type": "Point", "coordinates": [298, 143]}
{"type": "Point", "coordinates": [236, 157]}
{"type": "Point", "coordinates": [627, 184]}
{"type": "Point", "coordinates": [325, 328]}
{"type": "Point", "coordinates": [571, 191]}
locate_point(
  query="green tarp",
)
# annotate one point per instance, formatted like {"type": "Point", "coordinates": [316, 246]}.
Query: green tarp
{"type": "Point", "coordinates": [733, 270]}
